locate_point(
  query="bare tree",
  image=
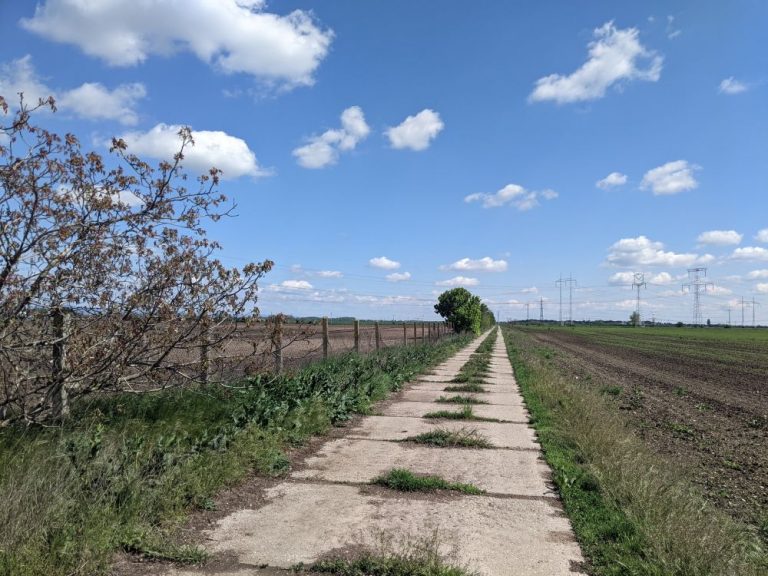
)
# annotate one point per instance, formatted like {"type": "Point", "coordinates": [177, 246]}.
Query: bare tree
{"type": "Point", "coordinates": [107, 278]}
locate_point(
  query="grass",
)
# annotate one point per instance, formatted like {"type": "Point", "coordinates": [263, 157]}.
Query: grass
{"type": "Point", "coordinates": [465, 388]}
{"type": "Point", "coordinates": [632, 512]}
{"type": "Point", "coordinates": [406, 481]}
{"type": "Point", "coordinates": [460, 400]}
{"type": "Point", "coordinates": [476, 368]}
{"type": "Point", "coordinates": [465, 413]}
{"type": "Point", "coordinates": [125, 471]}
{"type": "Point", "coordinates": [463, 438]}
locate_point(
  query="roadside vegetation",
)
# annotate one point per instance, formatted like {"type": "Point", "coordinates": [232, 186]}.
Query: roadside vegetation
{"type": "Point", "coordinates": [476, 368]}
{"type": "Point", "coordinates": [461, 438]}
{"type": "Point", "coordinates": [124, 471]}
{"type": "Point", "coordinates": [632, 511]}
{"type": "Point", "coordinates": [406, 481]}
{"type": "Point", "coordinates": [466, 413]}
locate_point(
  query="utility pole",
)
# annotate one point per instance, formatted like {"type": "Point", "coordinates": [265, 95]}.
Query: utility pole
{"type": "Point", "coordinates": [729, 315]}
{"type": "Point", "coordinates": [638, 282]}
{"type": "Point", "coordinates": [697, 285]}
{"type": "Point", "coordinates": [742, 311]}
{"type": "Point", "coordinates": [570, 281]}
{"type": "Point", "coordinates": [541, 310]}
{"type": "Point", "coordinates": [753, 310]}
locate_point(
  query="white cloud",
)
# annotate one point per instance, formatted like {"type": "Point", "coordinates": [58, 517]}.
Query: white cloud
{"type": "Point", "coordinates": [328, 274]}
{"type": "Point", "coordinates": [217, 149]}
{"type": "Point", "coordinates": [615, 57]}
{"type": "Point", "coordinates": [672, 32]}
{"type": "Point", "coordinates": [290, 285]}
{"type": "Point", "coordinates": [641, 252]}
{"type": "Point", "coordinates": [531, 290]}
{"type": "Point", "coordinates": [762, 288]}
{"type": "Point", "coordinates": [234, 36]}
{"type": "Point", "coordinates": [732, 86]}
{"type": "Point", "coordinates": [622, 278]}
{"type": "Point", "coordinates": [661, 278]}
{"type": "Point", "coordinates": [612, 180]}
{"type": "Point", "coordinates": [458, 281]}
{"type": "Point", "coordinates": [670, 178]}
{"type": "Point", "coordinates": [755, 274]}
{"type": "Point", "coordinates": [384, 263]}
{"type": "Point", "coordinates": [398, 277]}
{"type": "Point", "coordinates": [720, 237]}
{"type": "Point", "coordinates": [486, 264]}
{"type": "Point", "coordinates": [750, 253]}
{"type": "Point", "coordinates": [416, 132]}
{"type": "Point", "coordinates": [91, 101]}
{"type": "Point", "coordinates": [323, 150]}
{"type": "Point", "coordinates": [513, 194]}
{"type": "Point", "coordinates": [762, 235]}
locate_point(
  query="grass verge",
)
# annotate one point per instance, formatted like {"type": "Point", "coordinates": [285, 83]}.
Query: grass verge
{"type": "Point", "coordinates": [124, 471]}
{"type": "Point", "coordinates": [459, 400]}
{"type": "Point", "coordinates": [632, 512]}
{"type": "Point", "coordinates": [406, 481]}
{"type": "Point", "coordinates": [462, 438]}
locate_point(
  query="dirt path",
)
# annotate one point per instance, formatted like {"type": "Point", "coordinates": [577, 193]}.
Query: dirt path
{"type": "Point", "coordinates": [328, 505]}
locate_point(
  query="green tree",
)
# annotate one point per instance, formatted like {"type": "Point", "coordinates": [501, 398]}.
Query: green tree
{"type": "Point", "coordinates": [634, 319]}
{"type": "Point", "coordinates": [487, 319]}
{"type": "Point", "coordinates": [462, 309]}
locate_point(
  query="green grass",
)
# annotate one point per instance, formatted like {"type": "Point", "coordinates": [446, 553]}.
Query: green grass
{"type": "Point", "coordinates": [459, 400]}
{"type": "Point", "coordinates": [465, 388]}
{"type": "Point", "coordinates": [632, 512]}
{"type": "Point", "coordinates": [124, 471]}
{"type": "Point", "coordinates": [465, 413]}
{"type": "Point", "coordinates": [463, 438]}
{"type": "Point", "coordinates": [406, 481]}
{"type": "Point", "coordinates": [476, 368]}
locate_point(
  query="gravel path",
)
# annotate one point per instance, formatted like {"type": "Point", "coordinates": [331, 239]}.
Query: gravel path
{"type": "Point", "coordinates": [326, 506]}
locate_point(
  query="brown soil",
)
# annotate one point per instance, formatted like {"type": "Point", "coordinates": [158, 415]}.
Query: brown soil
{"type": "Point", "coordinates": [703, 406]}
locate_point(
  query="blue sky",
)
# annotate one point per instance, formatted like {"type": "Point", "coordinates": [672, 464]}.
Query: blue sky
{"type": "Point", "coordinates": [382, 151]}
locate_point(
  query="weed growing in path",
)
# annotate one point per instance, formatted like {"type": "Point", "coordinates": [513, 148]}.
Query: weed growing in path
{"type": "Point", "coordinates": [466, 413]}
{"type": "Point", "coordinates": [460, 400]}
{"type": "Point", "coordinates": [465, 388]}
{"type": "Point", "coordinates": [406, 481]}
{"type": "Point", "coordinates": [462, 438]}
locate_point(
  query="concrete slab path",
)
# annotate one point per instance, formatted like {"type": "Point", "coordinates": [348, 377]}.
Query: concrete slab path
{"type": "Point", "coordinates": [516, 528]}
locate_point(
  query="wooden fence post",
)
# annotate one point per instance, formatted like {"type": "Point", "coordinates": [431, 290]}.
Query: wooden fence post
{"type": "Point", "coordinates": [405, 334]}
{"type": "Point", "coordinates": [415, 337]}
{"type": "Point", "coordinates": [60, 397]}
{"type": "Point", "coordinates": [205, 349]}
{"type": "Point", "coordinates": [357, 336]}
{"type": "Point", "coordinates": [325, 337]}
{"type": "Point", "coordinates": [277, 343]}
{"type": "Point", "coordinates": [422, 332]}
{"type": "Point", "coordinates": [378, 336]}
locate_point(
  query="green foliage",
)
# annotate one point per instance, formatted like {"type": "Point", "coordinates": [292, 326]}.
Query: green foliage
{"type": "Point", "coordinates": [125, 469]}
{"type": "Point", "coordinates": [406, 481]}
{"type": "Point", "coordinates": [465, 388]}
{"type": "Point", "coordinates": [464, 311]}
{"type": "Point", "coordinates": [462, 438]}
{"type": "Point", "coordinates": [459, 399]}
{"type": "Point", "coordinates": [465, 413]}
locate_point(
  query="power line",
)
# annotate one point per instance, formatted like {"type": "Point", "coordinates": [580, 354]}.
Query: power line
{"type": "Point", "coordinates": [697, 285]}
{"type": "Point", "coordinates": [638, 282]}
{"type": "Point", "coordinates": [570, 281]}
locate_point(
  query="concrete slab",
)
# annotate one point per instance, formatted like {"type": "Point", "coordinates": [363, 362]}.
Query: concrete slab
{"type": "Point", "coordinates": [416, 409]}
{"type": "Point", "coordinates": [519, 436]}
{"type": "Point", "coordinates": [302, 522]}
{"type": "Point", "coordinates": [511, 472]}
{"type": "Point", "coordinates": [494, 397]}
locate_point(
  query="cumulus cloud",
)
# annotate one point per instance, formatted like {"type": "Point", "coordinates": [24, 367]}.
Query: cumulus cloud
{"type": "Point", "coordinates": [384, 263]}
{"type": "Point", "coordinates": [762, 287]}
{"type": "Point", "coordinates": [399, 277]}
{"type": "Point", "coordinates": [641, 252]}
{"type": "Point", "coordinates": [217, 149]}
{"type": "Point", "coordinates": [458, 281]}
{"type": "Point", "coordinates": [416, 132]}
{"type": "Point", "coordinates": [621, 278]}
{"type": "Point", "coordinates": [762, 235]}
{"type": "Point", "coordinates": [720, 237]}
{"type": "Point", "coordinates": [90, 100]}
{"type": "Point", "coordinates": [321, 151]}
{"type": "Point", "coordinates": [290, 285]}
{"type": "Point", "coordinates": [612, 180]}
{"type": "Point", "coordinates": [732, 86]}
{"type": "Point", "coordinates": [758, 274]}
{"type": "Point", "coordinates": [661, 278]}
{"type": "Point", "coordinates": [328, 274]}
{"type": "Point", "coordinates": [670, 178]}
{"type": "Point", "coordinates": [615, 57]}
{"type": "Point", "coordinates": [512, 194]}
{"type": "Point", "coordinates": [233, 36]}
{"type": "Point", "coordinates": [750, 253]}
{"type": "Point", "coordinates": [486, 264]}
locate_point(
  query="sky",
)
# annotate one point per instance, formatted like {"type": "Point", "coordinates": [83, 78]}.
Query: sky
{"type": "Point", "coordinates": [381, 152]}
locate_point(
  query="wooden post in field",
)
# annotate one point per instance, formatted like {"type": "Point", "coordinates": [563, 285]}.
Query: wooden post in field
{"type": "Point", "coordinates": [422, 332]}
{"type": "Point", "coordinates": [205, 349]}
{"type": "Point", "coordinates": [414, 334]}
{"type": "Point", "coordinates": [60, 321]}
{"type": "Point", "coordinates": [325, 337]}
{"type": "Point", "coordinates": [405, 334]}
{"type": "Point", "coordinates": [357, 336]}
{"type": "Point", "coordinates": [277, 343]}
{"type": "Point", "coordinates": [378, 336]}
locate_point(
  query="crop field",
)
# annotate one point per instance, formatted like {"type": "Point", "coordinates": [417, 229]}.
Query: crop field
{"type": "Point", "coordinates": [697, 396]}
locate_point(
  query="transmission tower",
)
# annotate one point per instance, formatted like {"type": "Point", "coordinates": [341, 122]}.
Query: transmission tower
{"type": "Point", "coordinates": [541, 310]}
{"type": "Point", "coordinates": [570, 281]}
{"type": "Point", "coordinates": [527, 312]}
{"type": "Point", "coordinates": [638, 282]}
{"type": "Point", "coordinates": [752, 304]}
{"type": "Point", "coordinates": [697, 286]}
